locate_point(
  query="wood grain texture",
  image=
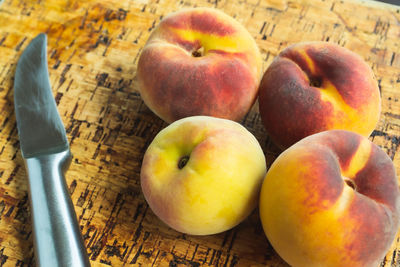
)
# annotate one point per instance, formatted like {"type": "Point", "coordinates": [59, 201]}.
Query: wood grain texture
{"type": "Point", "coordinates": [93, 52]}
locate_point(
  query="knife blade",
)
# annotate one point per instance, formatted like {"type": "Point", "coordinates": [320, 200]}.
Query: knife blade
{"type": "Point", "coordinates": [39, 125]}
{"type": "Point", "coordinates": [45, 149]}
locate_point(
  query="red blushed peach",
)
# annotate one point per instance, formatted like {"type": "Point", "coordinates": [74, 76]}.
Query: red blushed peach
{"type": "Point", "coordinates": [199, 61]}
{"type": "Point", "coordinates": [332, 199]}
{"type": "Point", "coordinates": [317, 86]}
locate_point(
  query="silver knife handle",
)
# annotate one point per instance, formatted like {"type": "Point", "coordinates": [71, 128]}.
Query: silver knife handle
{"type": "Point", "coordinates": [57, 238]}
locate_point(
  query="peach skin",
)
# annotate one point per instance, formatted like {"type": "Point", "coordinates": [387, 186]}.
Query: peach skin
{"type": "Point", "coordinates": [202, 175]}
{"type": "Point", "coordinates": [331, 199]}
{"type": "Point", "coordinates": [199, 61]}
{"type": "Point", "coordinates": [317, 86]}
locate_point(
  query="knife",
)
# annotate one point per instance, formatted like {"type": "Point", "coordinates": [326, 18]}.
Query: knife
{"type": "Point", "coordinates": [46, 153]}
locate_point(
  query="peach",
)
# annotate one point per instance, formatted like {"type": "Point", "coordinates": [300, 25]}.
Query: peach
{"type": "Point", "coordinates": [199, 61]}
{"type": "Point", "coordinates": [331, 199]}
{"type": "Point", "coordinates": [316, 86]}
{"type": "Point", "coordinates": [202, 175]}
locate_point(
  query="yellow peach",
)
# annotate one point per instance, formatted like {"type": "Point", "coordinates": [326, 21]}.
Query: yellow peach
{"type": "Point", "coordinates": [331, 199]}
{"type": "Point", "coordinates": [202, 175]}
{"type": "Point", "coordinates": [199, 61]}
{"type": "Point", "coordinates": [312, 87]}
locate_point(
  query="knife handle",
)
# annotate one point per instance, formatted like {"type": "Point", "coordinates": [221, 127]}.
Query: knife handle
{"type": "Point", "coordinates": [57, 237]}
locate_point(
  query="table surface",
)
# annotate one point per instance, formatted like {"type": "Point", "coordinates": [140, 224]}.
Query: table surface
{"type": "Point", "coordinates": [93, 51]}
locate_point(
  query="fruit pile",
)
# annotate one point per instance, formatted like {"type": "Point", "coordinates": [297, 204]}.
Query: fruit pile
{"type": "Point", "coordinates": [331, 198]}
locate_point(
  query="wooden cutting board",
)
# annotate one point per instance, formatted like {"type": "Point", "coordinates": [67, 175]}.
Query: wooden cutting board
{"type": "Point", "coordinates": [93, 52]}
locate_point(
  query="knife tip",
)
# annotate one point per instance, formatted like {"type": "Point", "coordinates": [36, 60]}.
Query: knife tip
{"type": "Point", "coordinates": [41, 36]}
{"type": "Point", "coordinates": [37, 44]}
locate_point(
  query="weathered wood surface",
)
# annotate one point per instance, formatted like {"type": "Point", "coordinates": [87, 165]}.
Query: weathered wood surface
{"type": "Point", "coordinates": [93, 51]}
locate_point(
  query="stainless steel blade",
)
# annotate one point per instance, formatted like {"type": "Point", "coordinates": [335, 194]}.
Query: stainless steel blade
{"type": "Point", "coordinates": [40, 128]}
{"type": "Point", "coordinates": [44, 145]}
